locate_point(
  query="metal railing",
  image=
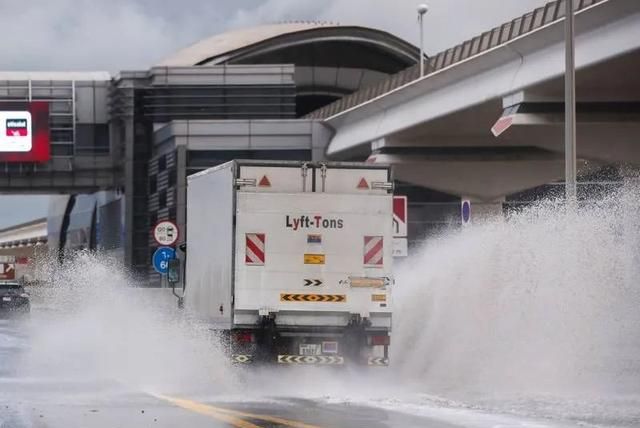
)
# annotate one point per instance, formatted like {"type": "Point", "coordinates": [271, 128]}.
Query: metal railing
{"type": "Point", "coordinates": [500, 35]}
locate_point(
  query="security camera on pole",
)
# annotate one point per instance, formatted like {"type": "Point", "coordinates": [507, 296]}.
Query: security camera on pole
{"type": "Point", "coordinates": [422, 10]}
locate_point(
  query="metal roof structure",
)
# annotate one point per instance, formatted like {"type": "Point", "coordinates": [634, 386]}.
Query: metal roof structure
{"type": "Point", "coordinates": [487, 41]}
{"type": "Point", "coordinates": [55, 75]}
{"type": "Point", "coordinates": [25, 234]}
{"type": "Point", "coordinates": [221, 44]}
{"type": "Point", "coordinates": [243, 46]}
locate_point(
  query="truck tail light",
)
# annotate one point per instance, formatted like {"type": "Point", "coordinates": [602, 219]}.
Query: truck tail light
{"type": "Point", "coordinates": [380, 340]}
{"type": "Point", "coordinates": [243, 336]}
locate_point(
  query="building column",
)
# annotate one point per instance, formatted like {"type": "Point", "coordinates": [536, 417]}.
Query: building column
{"type": "Point", "coordinates": [181, 192]}
{"type": "Point", "coordinates": [128, 142]}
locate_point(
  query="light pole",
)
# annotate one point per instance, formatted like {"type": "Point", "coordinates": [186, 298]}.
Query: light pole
{"type": "Point", "coordinates": [569, 108]}
{"type": "Point", "coordinates": [422, 10]}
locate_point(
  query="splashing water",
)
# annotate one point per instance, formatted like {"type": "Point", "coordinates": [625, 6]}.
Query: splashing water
{"type": "Point", "coordinates": [539, 313]}
{"type": "Point", "coordinates": [92, 325]}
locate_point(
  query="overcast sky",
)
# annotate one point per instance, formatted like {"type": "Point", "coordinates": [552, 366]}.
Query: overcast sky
{"type": "Point", "coordinates": [115, 35]}
{"type": "Point", "coordinates": [127, 34]}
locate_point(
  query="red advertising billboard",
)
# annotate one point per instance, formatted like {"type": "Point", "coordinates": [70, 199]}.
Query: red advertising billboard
{"type": "Point", "coordinates": [24, 132]}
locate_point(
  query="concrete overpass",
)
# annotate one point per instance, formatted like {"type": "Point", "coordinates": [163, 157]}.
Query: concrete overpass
{"type": "Point", "coordinates": [439, 127]}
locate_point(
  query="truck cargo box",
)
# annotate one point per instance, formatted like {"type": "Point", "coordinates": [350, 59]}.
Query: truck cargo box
{"type": "Point", "coordinates": [307, 244]}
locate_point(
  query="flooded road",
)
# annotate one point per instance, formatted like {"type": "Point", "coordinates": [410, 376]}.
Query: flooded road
{"type": "Point", "coordinates": [62, 400]}
{"type": "Point", "coordinates": [529, 322]}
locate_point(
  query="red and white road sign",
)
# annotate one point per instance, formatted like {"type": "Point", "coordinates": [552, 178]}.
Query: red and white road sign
{"type": "Point", "coordinates": [166, 233]}
{"type": "Point", "coordinates": [399, 216]}
{"type": "Point", "coordinates": [254, 254]}
{"type": "Point", "coordinates": [7, 271]}
{"type": "Point", "coordinates": [373, 250]}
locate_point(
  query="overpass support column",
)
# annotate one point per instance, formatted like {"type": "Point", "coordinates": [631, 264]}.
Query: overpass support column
{"type": "Point", "coordinates": [630, 212]}
{"type": "Point", "coordinates": [483, 210]}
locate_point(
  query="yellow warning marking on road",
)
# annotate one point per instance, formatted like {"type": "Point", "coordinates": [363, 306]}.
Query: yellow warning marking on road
{"type": "Point", "coordinates": [313, 298]}
{"type": "Point", "coordinates": [207, 410]}
{"type": "Point", "coordinates": [314, 259]}
{"type": "Point", "coordinates": [232, 416]}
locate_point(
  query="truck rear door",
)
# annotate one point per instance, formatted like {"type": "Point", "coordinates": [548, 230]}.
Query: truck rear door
{"type": "Point", "coordinates": [313, 244]}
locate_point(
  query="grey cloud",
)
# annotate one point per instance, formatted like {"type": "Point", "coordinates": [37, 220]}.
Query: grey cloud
{"type": "Point", "coordinates": [125, 34]}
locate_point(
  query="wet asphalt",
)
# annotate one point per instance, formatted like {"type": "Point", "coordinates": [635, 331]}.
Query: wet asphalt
{"type": "Point", "coordinates": [51, 402]}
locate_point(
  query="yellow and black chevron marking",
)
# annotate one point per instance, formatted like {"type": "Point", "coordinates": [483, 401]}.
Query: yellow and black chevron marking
{"type": "Point", "coordinates": [242, 359]}
{"type": "Point", "coordinates": [324, 298]}
{"type": "Point", "coordinates": [310, 359]}
{"type": "Point", "coordinates": [378, 361]}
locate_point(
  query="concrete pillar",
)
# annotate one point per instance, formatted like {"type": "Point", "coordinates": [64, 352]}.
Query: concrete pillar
{"type": "Point", "coordinates": [629, 213]}
{"type": "Point", "coordinates": [181, 191]}
{"type": "Point", "coordinates": [320, 137]}
{"type": "Point", "coordinates": [128, 142]}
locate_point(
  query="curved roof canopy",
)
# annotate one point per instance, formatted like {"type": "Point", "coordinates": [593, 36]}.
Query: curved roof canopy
{"type": "Point", "coordinates": [268, 45]}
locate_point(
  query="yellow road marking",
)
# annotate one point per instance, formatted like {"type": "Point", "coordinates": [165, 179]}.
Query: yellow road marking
{"type": "Point", "coordinates": [232, 416]}
{"type": "Point", "coordinates": [204, 409]}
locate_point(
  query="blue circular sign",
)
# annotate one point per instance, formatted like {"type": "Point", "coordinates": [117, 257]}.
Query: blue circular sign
{"type": "Point", "coordinates": [161, 259]}
{"type": "Point", "coordinates": [466, 211]}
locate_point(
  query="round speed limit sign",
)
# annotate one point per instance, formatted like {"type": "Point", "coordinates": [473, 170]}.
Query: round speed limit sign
{"type": "Point", "coordinates": [165, 233]}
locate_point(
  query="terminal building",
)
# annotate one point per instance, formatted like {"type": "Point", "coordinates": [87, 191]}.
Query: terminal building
{"type": "Point", "coordinates": [122, 146]}
{"type": "Point", "coordinates": [116, 150]}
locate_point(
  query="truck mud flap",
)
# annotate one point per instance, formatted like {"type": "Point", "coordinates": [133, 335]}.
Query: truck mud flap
{"type": "Point", "coordinates": [378, 361]}
{"type": "Point", "coordinates": [310, 359]}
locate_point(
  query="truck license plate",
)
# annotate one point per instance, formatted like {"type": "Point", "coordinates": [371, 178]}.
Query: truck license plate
{"type": "Point", "coordinates": [310, 349]}
{"type": "Point", "coordinates": [6, 299]}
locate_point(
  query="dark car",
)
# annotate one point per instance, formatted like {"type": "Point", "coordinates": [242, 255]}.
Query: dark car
{"type": "Point", "coordinates": [13, 298]}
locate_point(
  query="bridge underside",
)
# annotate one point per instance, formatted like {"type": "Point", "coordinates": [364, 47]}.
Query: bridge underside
{"type": "Point", "coordinates": [459, 154]}
{"type": "Point", "coordinates": [494, 124]}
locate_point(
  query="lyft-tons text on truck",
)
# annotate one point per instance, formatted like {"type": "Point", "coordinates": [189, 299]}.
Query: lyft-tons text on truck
{"type": "Point", "coordinates": [292, 261]}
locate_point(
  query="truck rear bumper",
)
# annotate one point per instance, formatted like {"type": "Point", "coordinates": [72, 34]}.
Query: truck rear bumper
{"type": "Point", "coordinates": [356, 343]}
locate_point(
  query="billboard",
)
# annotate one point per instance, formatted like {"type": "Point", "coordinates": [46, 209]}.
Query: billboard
{"type": "Point", "coordinates": [24, 132]}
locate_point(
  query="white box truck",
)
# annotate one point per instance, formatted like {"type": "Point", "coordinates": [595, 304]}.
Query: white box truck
{"type": "Point", "coordinates": [292, 261]}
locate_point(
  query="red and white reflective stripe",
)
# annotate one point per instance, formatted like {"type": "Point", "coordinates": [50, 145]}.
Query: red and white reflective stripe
{"type": "Point", "coordinates": [373, 250]}
{"type": "Point", "coordinates": [255, 249]}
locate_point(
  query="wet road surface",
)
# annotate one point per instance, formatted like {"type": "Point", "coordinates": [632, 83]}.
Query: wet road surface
{"type": "Point", "coordinates": [46, 398]}
{"type": "Point", "coordinates": [27, 402]}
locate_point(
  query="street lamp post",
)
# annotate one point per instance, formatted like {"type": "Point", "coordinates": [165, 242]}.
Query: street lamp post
{"type": "Point", "coordinates": [422, 10]}
{"type": "Point", "coordinates": [570, 107]}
